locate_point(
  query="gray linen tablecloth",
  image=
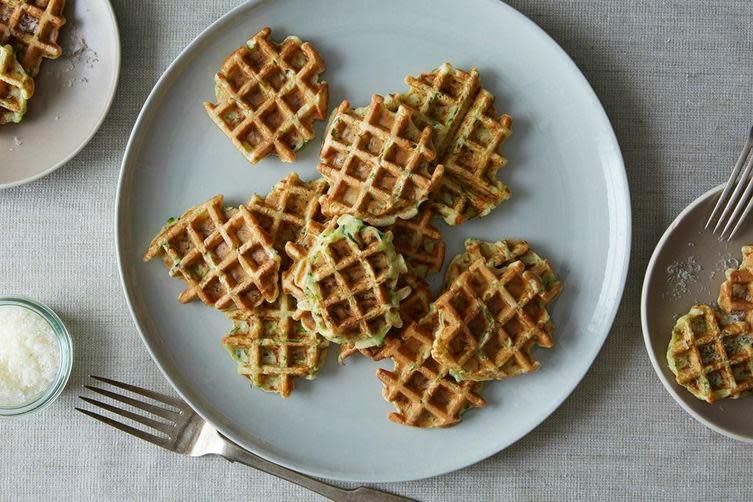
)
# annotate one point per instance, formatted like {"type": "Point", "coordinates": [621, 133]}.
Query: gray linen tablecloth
{"type": "Point", "coordinates": [676, 78]}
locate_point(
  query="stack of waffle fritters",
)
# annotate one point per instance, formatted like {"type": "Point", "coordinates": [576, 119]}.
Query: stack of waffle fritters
{"type": "Point", "coordinates": [29, 31]}
{"type": "Point", "coordinates": [711, 350]}
{"type": "Point", "coordinates": [344, 258]}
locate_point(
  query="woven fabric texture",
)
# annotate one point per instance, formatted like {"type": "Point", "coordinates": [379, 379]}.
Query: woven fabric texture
{"type": "Point", "coordinates": [675, 78]}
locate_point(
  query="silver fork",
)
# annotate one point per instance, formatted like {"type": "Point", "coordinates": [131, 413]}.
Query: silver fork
{"type": "Point", "coordinates": [738, 206]}
{"type": "Point", "coordinates": [183, 431]}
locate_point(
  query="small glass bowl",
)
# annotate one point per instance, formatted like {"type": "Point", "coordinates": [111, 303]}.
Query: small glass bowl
{"type": "Point", "coordinates": [66, 358]}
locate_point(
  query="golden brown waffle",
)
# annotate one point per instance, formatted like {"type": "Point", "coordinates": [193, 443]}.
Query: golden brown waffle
{"type": "Point", "coordinates": [499, 255]}
{"type": "Point", "coordinates": [736, 292]}
{"type": "Point", "coordinates": [421, 389]}
{"type": "Point", "coordinates": [378, 163]}
{"type": "Point", "coordinates": [412, 309]}
{"type": "Point", "coordinates": [291, 213]}
{"type": "Point", "coordinates": [420, 242]}
{"type": "Point", "coordinates": [16, 87]}
{"type": "Point", "coordinates": [270, 96]}
{"type": "Point", "coordinates": [468, 134]}
{"type": "Point", "coordinates": [272, 349]}
{"type": "Point", "coordinates": [489, 322]}
{"type": "Point", "coordinates": [348, 282]}
{"type": "Point", "coordinates": [32, 28]}
{"type": "Point", "coordinates": [439, 99]}
{"type": "Point", "coordinates": [470, 186]}
{"type": "Point", "coordinates": [226, 259]}
{"type": "Point", "coordinates": [494, 254]}
{"type": "Point", "coordinates": [711, 361]}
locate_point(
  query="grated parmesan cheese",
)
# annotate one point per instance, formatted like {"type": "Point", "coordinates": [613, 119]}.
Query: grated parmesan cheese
{"type": "Point", "coordinates": [681, 274]}
{"type": "Point", "coordinates": [29, 356]}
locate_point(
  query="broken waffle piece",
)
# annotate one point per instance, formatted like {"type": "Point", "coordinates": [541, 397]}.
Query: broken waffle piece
{"type": "Point", "coordinates": [269, 96]}
{"type": "Point", "coordinates": [224, 256]}
{"type": "Point", "coordinates": [736, 292]}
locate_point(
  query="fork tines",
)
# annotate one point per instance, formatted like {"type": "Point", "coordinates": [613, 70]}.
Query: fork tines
{"type": "Point", "coordinates": [172, 413]}
{"type": "Point", "coordinates": [740, 202]}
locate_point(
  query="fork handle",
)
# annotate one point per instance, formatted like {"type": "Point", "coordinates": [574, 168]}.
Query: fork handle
{"type": "Point", "coordinates": [235, 453]}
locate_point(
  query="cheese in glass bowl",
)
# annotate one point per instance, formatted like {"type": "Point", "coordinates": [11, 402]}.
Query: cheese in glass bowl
{"type": "Point", "coordinates": [35, 356]}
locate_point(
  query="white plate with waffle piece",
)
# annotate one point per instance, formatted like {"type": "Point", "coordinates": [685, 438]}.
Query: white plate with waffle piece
{"type": "Point", "coordinates": [72, 93]}
{"type": "Point", "coordinates": [688, 268]}
{"type": "Point", "coordinates": [570, 201]}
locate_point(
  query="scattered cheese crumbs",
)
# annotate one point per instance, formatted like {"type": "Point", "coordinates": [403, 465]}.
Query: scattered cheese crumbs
{"type": "Point", "coordinates": [76, 60]}
{"type": "Point", "coordinates": [29, 356]}
{"type": "Point", "coordinates": [682, 274]}
{"type": "Point", "coordinates": [17, 141]}
{"type": "Point", "coordinates": [725, 263]}
{"type": "Point", "coordinates": [728, 261]}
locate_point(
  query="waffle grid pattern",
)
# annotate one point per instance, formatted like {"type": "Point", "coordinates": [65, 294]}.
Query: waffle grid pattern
{"type": "Point", "coordinates": [32, 27]}
{"type": "Point", "coordinates": [272, 348]}
{"type": "Point", "coordinates": [348, 280]}
{"type": "Point", "coordinates": [736, 292]}
{"type": "Point", "coordinates": [419, 387]}
{"type": "Point", "coordinates": [226, 259]}
{"type": "Point", "coordinates": [489, 321]}
{"type": "Point", "coordinates": [377, 163]}
{"type": "Point", "coordinates": [412, 309]}
{"type": "Point", "coordinates": [500, 254]}
{"type": "Point", "coordinates": [712, 362]}
{"type": "Point", "coordinates": [291, 213]}
{"type": "Point", "coordinates": [470, 186]}
{"type": "Point", "coordinates": [16, 87]}
{"type": "Point", "coordinates": [440, 99]}
{"type": "Point", "coordinates": [270, 96]}
{"type": "Point", "coordinates": [420, 242]}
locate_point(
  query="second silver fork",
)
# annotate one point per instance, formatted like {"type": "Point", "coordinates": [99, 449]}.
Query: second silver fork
{"type": "Point", "coordinates": [740, 202]}
{"type": "Point", "coordinates": [184, 431]}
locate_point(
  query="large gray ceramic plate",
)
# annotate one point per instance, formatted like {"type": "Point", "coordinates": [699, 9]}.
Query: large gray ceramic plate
{"type": "Point", "coordinates": [570, 200]}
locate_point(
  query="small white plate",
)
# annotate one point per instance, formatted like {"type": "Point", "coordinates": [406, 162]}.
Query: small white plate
{"type": "Point", "coordinates": [686, 269]}
{"type": "Point", "coordinates": [71, 99]}
{"type": "Point", "coordinates": [570, 201]}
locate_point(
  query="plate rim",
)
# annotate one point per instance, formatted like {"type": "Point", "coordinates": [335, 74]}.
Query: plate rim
{"type": "Point", "coordinates": [658, 368]}
{"type": "Point", "coordinates": [619, 175]}
{"type": "Point", "coordinates": [100, 120]}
